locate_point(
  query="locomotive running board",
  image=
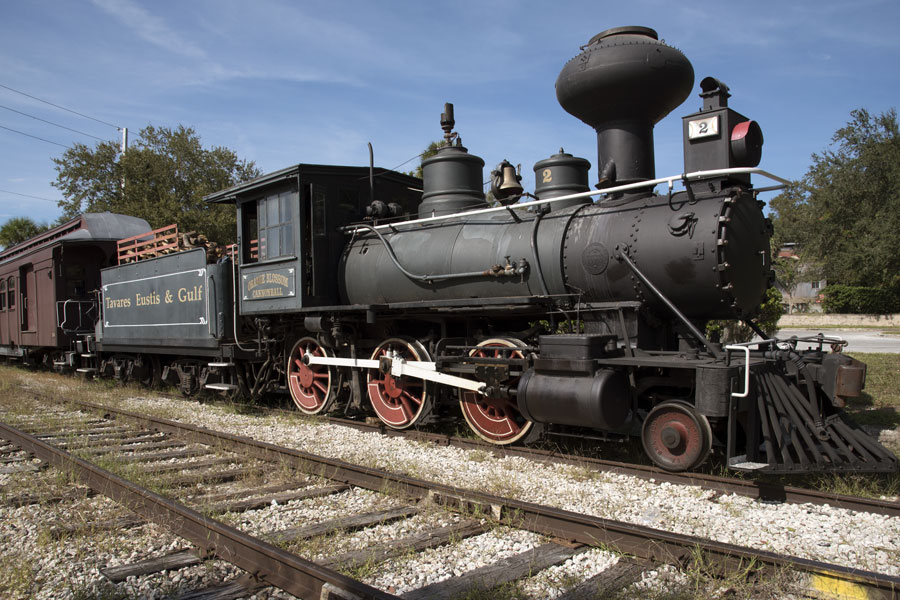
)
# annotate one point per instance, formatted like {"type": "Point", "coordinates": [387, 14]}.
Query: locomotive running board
{"type": "Point", "coordinates": [796, 437]}
{"type": "Point", "coordinates": [399, 367]}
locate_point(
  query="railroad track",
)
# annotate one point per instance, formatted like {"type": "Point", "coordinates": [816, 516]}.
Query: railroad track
{"type": "Point", "coordinates": [757, 489]}
{"type": "Point", "coordinates": [263, 560]}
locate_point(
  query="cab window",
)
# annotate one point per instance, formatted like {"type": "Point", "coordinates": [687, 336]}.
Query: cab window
{"type": "Point", "coordinates": [274, 214]}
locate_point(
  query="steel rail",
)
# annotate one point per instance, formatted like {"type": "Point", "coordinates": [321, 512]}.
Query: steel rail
{"type": "Point", "coordinates": [266, 563]}
{"type": "Point", "coordinates": [770, 491]}
{"type": "Point", "coordinates": [760, 490]}
{"type": "Point", "coordinates": [637, 540]}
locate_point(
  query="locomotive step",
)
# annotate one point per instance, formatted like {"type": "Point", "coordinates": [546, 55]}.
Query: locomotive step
{"type": "Point", "coordinates": [89, 355]}
{"type": "Point", "coordinates": [224, 387]}
{"type": "Point", "coordinates": [86, 370]}
{"type": "Point", "coordinates": [220, 364]}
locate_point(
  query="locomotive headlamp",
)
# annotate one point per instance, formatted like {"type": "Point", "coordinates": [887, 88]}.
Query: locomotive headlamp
{"type": "Point", "coordinates": [718, 137]}
{"type": "Point", "coordinates": [746, 144]}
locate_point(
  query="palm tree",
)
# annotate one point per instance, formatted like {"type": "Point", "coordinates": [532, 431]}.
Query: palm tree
{"type": "Point", "coordinates": [19, 229]}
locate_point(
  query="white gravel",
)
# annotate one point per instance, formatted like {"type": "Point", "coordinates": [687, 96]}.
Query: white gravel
{"type": "Point", "coordinates": [859, 540]}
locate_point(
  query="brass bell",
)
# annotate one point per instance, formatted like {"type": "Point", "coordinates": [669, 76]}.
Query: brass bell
{"type": "Point", "coordinates": [505, 182]}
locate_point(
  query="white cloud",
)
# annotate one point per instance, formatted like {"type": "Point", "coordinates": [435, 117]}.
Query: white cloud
{"type": "Point", "coordinates": [149, 27]}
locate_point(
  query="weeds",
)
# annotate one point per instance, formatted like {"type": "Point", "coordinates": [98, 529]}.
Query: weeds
{"type": "Point", "coordinates": [702, 578]}
{"type": "Point", "coordinates": [17, 576]}
{"type": "Point", "coordinates": [882, 384]}
{"type": "Point", "coordinates": [851, 484]}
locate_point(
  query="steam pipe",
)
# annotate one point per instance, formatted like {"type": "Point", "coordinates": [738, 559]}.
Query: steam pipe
{"type": "Point", "coordinates": [491, 272]}
{"type": "Point", "coordinates": [534, 252]}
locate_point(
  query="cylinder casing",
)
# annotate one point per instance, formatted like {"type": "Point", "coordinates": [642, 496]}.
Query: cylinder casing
{"type": "Point", "coordinates": [600, 400]}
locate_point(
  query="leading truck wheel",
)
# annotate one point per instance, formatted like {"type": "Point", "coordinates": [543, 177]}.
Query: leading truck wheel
{"type": "Point", "coordinates": [313, 387]}
{"type": "Point", "coordinates": [400, 402]}
{"type": "Point", "coordinates": [675, 437]}
{"type": "Point", "coordinates": [497, 420]}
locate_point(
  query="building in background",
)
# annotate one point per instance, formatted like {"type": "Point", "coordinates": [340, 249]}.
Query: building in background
{"type": "Point", "coordinates": [799, 282]}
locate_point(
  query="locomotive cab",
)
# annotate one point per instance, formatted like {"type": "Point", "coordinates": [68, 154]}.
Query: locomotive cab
{"type": "Point", "coordinates": [289, 238]}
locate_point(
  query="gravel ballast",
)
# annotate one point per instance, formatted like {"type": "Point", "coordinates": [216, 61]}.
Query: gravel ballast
{"type": "Point", "coordinates": [860, 540]}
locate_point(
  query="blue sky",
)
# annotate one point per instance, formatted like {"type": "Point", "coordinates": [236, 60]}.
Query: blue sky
{"type": "Point", "coordinates": [283, 82]}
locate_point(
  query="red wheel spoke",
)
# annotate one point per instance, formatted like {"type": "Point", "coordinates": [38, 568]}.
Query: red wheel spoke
{"type": "Point", "coordinates": [408, 410]}
{"type": "Point", "coordinates": [323, 375]}
{"type": "Point", "coordinates": [413, 398]}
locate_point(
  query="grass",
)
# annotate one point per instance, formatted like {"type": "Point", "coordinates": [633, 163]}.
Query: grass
{"type": "Point", "coordinates": [700, 579]}
{"type": "Point", "coordinates": [17, 576]}
{"type": "Point", "coordinates": [888, 329]}
{"type": "Point", "coordinates": [882, 383]}
{"type": "Point", "coordinates": [879, 405]}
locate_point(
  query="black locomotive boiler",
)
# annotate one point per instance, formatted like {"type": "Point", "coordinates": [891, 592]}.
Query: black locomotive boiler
{"type": "Point", "coordinates": [572, 311]}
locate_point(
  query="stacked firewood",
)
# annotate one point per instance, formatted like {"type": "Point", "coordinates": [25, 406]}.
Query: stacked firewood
{"type": "Point", "coordinates": [167, 240]}
{"type": "Point", "coordinates": [192, 239]}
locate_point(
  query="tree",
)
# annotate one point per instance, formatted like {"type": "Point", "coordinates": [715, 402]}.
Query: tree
{"type": "Point", "coordinates": [430, 151]}
{"type": "Point", "coordinates": [19, 229]}
{"type": "Point", "coordinates": [845, 213]}
{"type": "Point", "coordinates": [165, 174]}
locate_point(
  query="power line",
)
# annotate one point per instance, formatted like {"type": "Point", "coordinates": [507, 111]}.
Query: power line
{"type": "Point", "coordinates": [58, 106]}
{"type": "Point", "coordinates": [28, 196]}
{"type": "Point", "coordinates": [51, 123]}
{"type": "Point", "coordinates": [33, 136]}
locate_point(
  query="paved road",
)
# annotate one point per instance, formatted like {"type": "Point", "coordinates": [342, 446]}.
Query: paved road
{"type": "Point", "coordinates": [860, 340]}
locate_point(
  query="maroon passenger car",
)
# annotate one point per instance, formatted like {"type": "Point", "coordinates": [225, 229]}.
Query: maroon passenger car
{"type": "Point", "coordinates": [47, 284]}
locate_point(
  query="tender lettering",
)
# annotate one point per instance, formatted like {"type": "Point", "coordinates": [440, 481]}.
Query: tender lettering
{"type": "Point", "coordinates": [118, 303]}
{"type": "Point", "coordinates": [146, 300]}
{"type": "Point", "coordinates": [193, 294]}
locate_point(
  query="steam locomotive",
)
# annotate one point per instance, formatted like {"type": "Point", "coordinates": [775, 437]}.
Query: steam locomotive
{"type": "Point", "coordinates": [571, 311]}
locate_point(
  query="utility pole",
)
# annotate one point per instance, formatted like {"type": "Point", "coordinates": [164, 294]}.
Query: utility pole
{"type": "Point", "coordinates": [124, 148]}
